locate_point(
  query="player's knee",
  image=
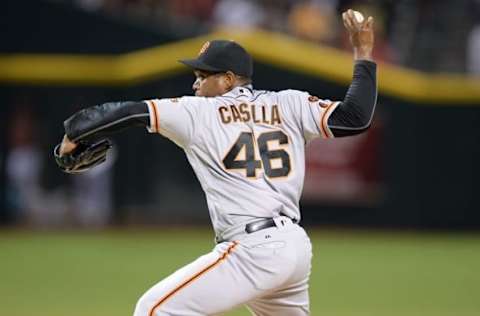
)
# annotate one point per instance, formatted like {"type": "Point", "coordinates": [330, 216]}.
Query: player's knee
{"type": "Point", "coordinates": [143, 307]}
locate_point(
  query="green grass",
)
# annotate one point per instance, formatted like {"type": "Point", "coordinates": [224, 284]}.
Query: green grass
{"type": "Point", "coordinates": [354, 272]}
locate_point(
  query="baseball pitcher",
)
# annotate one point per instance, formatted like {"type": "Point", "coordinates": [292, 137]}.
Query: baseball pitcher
{"type": "Point", "coordinates": [247, 148]}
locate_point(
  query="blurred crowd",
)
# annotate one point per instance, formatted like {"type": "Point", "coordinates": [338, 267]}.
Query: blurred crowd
{"type": "Point", "coordinates": [429, 35]}
{"type": "Point", "coordinates": [31, 196]}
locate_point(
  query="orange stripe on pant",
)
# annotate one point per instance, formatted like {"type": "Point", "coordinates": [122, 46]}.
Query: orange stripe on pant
{"type": "Point", "coordinates": [193, 278]}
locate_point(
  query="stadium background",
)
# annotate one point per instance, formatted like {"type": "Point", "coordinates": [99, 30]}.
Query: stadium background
{"type": "Point", "coordinates": [394, 214]}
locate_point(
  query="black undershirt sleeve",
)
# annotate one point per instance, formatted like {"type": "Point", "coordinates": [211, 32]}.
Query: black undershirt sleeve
{"type": "Point", "coordinates": [354, 114]}
{"type": "Point", "coordinates": [102, 120]}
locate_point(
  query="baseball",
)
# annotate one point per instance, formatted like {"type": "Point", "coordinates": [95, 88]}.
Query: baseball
{"type": "Point", "coordinates": [358, 16]}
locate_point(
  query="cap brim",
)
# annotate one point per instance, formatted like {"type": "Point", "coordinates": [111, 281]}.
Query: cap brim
{"type": "Point", "coordinates": [197, 64]}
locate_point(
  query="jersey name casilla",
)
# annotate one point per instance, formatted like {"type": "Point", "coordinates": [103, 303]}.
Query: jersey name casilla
{"type": "Point", "coordinates": [247, 148]}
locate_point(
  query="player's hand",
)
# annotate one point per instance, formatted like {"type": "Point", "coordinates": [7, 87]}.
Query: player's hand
{"type": "Point", "coordinates": [84, 156]}
{"type": "Point", "coordinates": [361, 34]}
{"type": "Point", "coordinates": [67, 146]}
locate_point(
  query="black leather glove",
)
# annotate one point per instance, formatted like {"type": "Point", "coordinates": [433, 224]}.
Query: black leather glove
{"type": "Point", "coordinates": [84, 157]}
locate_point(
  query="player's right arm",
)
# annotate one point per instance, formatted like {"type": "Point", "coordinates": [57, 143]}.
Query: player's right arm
{"type": "Point", "coordinates": [354, 113]}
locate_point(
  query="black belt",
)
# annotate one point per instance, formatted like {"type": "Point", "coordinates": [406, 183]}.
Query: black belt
{"type": "Point", "coordinates": [252, 227]}
{"type": "Point", "coordinates": [259, 225]}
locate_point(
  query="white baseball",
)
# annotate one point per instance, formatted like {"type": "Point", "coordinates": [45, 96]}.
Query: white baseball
{"type": "Point", "coordinates": [358, 16]}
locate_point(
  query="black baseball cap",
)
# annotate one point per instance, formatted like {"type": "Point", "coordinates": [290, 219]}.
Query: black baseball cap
{"type": "Point", "coordinates": [222, 56]}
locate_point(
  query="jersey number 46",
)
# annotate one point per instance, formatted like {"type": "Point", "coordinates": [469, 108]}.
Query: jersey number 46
{"type": "Point", "coordinates": [276, 162]}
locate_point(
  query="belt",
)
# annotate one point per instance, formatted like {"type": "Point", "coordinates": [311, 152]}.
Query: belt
{"type": "Point", "coordinates": [252, 227]}
{"type": "Point", "coordinates": [259, 225]}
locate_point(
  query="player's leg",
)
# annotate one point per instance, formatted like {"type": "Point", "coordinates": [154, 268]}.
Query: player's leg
{"type": "Point", "coordinates": [212, 284]}
{"type": "Point", "coordinates": [291, 298]}
{"type": "Point", "coordinates": [233, 274]}
{"type": "Point", "coordinates": [292, 301]}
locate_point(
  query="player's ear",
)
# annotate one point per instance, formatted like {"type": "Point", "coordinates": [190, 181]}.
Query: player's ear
{"type": "Point", "coordinates": [229, 80]}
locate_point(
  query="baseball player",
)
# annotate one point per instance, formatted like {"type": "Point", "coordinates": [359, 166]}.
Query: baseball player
{"type": "Point", "coordinates": [247, 148]}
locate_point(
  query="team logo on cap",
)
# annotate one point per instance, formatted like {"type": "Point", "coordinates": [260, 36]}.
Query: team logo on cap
{"type": "Point", "coordinates": [204, 48]}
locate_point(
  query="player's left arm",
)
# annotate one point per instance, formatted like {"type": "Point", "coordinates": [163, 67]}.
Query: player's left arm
{"type": "Point", "coordinates": [101, 120]}
{"type": "Point", "coordinates": [172, 118]}
{"type": "Point", "coordinates": [354, 114]}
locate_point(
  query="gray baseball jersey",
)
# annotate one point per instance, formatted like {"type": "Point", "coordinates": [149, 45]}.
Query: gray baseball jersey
{"type": "Point", "coordinates": [246, 147]}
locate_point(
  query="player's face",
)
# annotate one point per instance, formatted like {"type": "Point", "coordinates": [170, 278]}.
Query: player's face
{"type": "Point", "coordinates": [208, 84]}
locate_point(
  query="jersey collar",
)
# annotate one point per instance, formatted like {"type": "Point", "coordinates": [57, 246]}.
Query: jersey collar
{"type": "Point", "coordinates": [246, 90]}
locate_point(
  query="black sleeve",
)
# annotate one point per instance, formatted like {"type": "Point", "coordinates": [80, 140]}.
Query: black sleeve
{"type": "Point", "coordinates": [355, 113]}
{"type": "Point", "coordinates": [104, 119]}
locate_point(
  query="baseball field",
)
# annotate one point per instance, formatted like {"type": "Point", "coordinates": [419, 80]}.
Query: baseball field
{"type": "Point", "coordinates": [361, 273]}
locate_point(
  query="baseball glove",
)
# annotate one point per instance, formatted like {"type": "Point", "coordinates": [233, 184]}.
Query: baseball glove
{"type": "Point", "coordinates": [84, 157]}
